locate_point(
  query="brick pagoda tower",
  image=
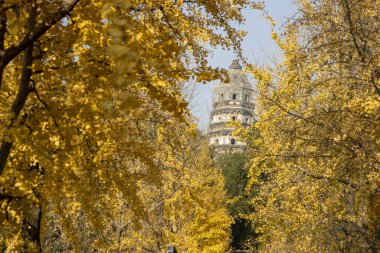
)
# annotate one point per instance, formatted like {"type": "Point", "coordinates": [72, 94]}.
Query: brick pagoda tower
{"type": "Point", "coordinates": [231, 101]}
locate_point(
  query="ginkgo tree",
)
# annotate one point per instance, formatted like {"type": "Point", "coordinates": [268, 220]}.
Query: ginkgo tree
{"type": "Point", "coordinates": [181, 201]}
{"type": "Point", "coordinates": [315, 146]}
{"type": "Point", "coordinates": [78, 79]}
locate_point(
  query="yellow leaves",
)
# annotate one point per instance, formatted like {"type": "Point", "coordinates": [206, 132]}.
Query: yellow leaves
{"type": "Point", "coordinates": [13, 22]}
{"type": "Point", "coordinates": [125, 4]}
{"type": "Point", "coordinates": [75, 206]}
{"type": "Point", "coordinates": [74, 147]}
{"type": "Point", "coordinates": [270, 20]}
{"type": "Point", "coordinates": [204, 77]}
{"type": "Point", "coordinates": [115, 32]}
{"type": "Point", "coordinates": [193, 131]}
{"type": "Point", "coordinates": [369, 106]}
{"type": "Point", "coordinates": [314, 113]}
{"type": "Point", "coordinates": [95, 108]}
{"type": "Point", "coordinates": [128, 101]}
{"type": "Point", "coordinates": [84, 24]}
{"type": "Point", "coordinates": [258, 5]}
{"type": "Point", "coordinates": [138, 37]}
{"type": "Point", "coordinates": [126, 59]}
{"type": "Point", "coordinates": [207, 75]}
{"type": "Point", "coordinates": [374, 180]}
{"type": "Point", "coordinates": [55, 141]}
{"type": "Point", "coordinates": [118, 50]}
{"type": "Point", "coordinates": [160, 84]}
{"type": "Point", "coordinates": [275, 36]}
{"type": "Point", "coordinates": [160, 135]}
{"type": "Point", "coordinates": [108, 11]}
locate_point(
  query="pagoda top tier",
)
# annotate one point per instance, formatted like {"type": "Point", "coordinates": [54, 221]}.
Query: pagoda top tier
{"type": "Point", "coordinates": [235, 64]}
{"type": "Point", "coordinates": [237, 79]}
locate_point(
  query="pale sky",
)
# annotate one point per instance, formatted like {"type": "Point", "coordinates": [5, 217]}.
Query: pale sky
{"type": "Point", "coordinates": [258, 47]}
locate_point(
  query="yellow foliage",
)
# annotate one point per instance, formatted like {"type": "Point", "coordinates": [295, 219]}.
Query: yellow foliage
{"type": "Point", "coordinates": [86, 87]}
{"type": "Point", "coordinates": [315, 147]}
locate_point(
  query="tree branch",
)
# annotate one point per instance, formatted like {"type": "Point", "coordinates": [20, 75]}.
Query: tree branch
{"type": "Point", "coordinates": [8, 196]}
{"type": "Point", "coordinates": [361, 51]}
{"type": "Point", "coordinates": [10, 53]}
{"type": "Point", "coordinates": [3, 27]}
{"type": "Point", "coordinates": [340, 180]}
{"type": "Point", "coordinates": [24, 88]}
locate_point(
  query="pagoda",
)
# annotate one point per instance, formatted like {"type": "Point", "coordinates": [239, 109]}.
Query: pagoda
{"type": "Point", "coordinates": [231, 101]}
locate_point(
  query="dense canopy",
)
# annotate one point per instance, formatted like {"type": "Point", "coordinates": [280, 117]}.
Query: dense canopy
{"type": "Point", "coordinates": [315, 147]}
{"type": "Point", "coordinates": [95, 133]}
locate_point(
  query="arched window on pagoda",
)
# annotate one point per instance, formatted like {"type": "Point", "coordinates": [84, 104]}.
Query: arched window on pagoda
{"type": "Point", "coordinates": [233, 96]}
{"type": "Point", "coordinates": [233, 141]}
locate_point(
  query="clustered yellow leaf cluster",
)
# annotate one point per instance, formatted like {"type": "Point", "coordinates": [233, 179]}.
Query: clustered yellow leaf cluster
{"type": "Point", "coordinates": [96, 149]}
{"type": "Point", "coordinates": [315, 148]}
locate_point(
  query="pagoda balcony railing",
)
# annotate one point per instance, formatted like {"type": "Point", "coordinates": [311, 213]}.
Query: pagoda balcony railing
{"type": "Point", "coordinates": [229, 145]}
{"type": "Point", "coordinates": [247, 111]}
{"type": "Point", "coordinates": [233, 103]}
{"type": "Point", "coordinates": [225, 123]}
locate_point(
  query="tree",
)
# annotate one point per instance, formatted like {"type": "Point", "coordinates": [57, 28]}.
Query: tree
{"type": "Point", "coordinates": [78, 80]}
{"type": "Point", "coordinates": [319, 131]}
{"type": "Point", "coordinates": [235, 172]}
{"type": "Point", "coordinates": [188, 208]}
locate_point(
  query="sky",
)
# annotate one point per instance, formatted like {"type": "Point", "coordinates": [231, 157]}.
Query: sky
{"type": "Point", "coordinates": [258, 48]}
